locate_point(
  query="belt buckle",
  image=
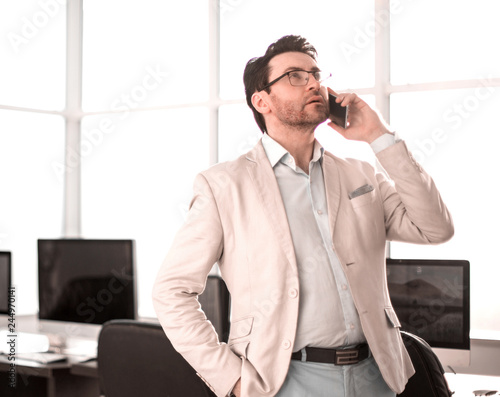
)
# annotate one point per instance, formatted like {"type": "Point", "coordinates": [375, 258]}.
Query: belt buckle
{"type": "Point", "coordinates": [346, 357]}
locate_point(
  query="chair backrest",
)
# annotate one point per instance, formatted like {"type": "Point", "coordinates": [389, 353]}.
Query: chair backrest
{"type": "Point", "coordinates": [429, 380]}
{"type": "Point", "coordinates": [137, 359]}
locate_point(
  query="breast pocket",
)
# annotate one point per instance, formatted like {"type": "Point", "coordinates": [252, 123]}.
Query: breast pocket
{"type": "Point", "coordinates": [364, 199]}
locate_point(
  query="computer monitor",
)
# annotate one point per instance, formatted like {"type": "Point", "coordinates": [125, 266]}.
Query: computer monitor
{"type": "Point", "coordinates": [431, 299]}
{"type": "Point", "coordinates": [86, 281]}
{"type": "Point", "coordinates": [5, 281]}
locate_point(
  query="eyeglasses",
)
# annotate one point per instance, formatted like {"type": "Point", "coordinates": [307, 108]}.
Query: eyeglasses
{"type": "Point", "coordinates": [300, 77]}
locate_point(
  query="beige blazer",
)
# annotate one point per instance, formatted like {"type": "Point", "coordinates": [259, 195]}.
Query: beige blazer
{"type": "Point", "coordinates": [237, 219]}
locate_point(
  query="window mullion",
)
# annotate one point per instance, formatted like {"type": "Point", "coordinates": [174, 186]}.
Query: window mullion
{"type": "Point", "coordinates": [383, 68]}
{"type": "Point", "coordinates": [214, 79]}
{"type": "Point", "coordinates": [382, 60]}
{"type": "Point", "coordinates": [73, 112]}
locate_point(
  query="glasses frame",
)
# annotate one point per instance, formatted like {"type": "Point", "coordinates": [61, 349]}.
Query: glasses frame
{"type": "Point", "coordinates": [297, 70]}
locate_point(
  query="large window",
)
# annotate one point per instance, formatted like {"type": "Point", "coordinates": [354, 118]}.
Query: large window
{"type": "Point", "coordinates": [109, 109]}
{"type": "Point", "coordinates": [430, 41]}
{"type": "Point", "coordinates": [324, 23]}
{"type": "Point", "coordinates": [445, 90]}
{"type": "Point", "coordinates": [33, 53]}
{"type": "Point", "coordinates": [31, 194]}
{"type": "Point", "coordinates": [137, 179]}
{"type": "Point", "coordinates": [144, 54]}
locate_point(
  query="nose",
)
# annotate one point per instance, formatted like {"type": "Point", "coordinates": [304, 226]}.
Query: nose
{"type": "Point", "coordinates": [313, 84]}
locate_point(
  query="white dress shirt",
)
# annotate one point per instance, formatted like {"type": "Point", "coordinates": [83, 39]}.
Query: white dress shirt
{"type": "Point", "coordinates": [327, 315]}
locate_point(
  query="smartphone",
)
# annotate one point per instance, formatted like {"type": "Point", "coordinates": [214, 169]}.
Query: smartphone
{"type": "Point", "coordinates": [338, 113]}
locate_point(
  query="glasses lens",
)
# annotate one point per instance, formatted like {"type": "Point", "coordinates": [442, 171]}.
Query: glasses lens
{"type": "Point", "coordinates": [298, 77]}
{"type": "Point", "coordinates": [301, 77]}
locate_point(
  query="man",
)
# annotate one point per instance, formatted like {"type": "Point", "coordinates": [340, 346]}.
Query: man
{"type": "Point", "coordinates": [299, 236]}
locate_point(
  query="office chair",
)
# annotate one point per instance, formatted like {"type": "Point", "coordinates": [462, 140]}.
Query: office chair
{"type": "Point", "coordinates": [137, 359]}
{"type": "Point", "coordinates": [428, 380]}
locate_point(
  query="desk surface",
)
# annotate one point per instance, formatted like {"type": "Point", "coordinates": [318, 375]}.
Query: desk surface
{"type": "Point", "coordinates": [88, 369]}
{"type": "Point", "coordinates": [35, 369]}
{"type": "Point", "coordinates": [60, 379]}
{"type": "Point", "coordinates": [47, 370]}
{"type": "Point", "coordinates": [465, 384]}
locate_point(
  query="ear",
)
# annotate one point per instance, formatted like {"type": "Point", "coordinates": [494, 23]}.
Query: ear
{"type": "Point", "coordinates": [260, 102]}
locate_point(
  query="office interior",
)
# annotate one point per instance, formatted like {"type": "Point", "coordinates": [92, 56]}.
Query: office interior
{"type": "Point", "coordinates": [109, 109]}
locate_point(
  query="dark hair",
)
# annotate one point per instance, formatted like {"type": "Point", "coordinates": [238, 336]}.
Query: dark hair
{"type": "Point", "coordinates": [256, 72]}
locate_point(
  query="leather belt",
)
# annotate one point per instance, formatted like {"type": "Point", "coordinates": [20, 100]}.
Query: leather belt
{"type": "Point", "coordinates": [334, 356]}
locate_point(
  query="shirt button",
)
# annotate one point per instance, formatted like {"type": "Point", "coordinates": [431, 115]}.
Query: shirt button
{"type": "Point", "coordinates": [286, 344]}
{"type": "Point", "coordinates": [320, 212]}
{"type": "Point", "coordinates": [293, 293]}
{"type": "Point", "coordinates": [290, 160]}
{"type": "Point", "coordinates": [352, 326]}
{"type": "Point", "coordinates": [344, 287]}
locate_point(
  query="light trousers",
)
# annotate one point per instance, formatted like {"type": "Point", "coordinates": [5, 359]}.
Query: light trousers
{"type": "Point", "coordinates": [308, 379]}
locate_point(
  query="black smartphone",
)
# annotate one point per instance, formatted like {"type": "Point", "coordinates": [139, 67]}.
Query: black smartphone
{"type": "Point", "coordinates": [338, 113]}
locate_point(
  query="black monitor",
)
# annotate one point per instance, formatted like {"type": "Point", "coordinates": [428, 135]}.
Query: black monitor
{"type": "Point", "coordinates": [86, 281]}
{"type": "Point", "coordinates": [5, 281]}
{"type": "Point", "coordinates": [431, 299]}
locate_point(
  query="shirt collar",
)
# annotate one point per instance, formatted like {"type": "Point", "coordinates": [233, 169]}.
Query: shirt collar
{"type": "Point", "coordinates": [275, 152]}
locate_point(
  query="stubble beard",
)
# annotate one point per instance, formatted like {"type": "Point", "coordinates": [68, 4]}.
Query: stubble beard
{"type": "Point", "coordinates": [294, 117]}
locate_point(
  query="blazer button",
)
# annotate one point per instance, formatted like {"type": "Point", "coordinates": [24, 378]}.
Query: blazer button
{"type": "Point", "coordinates": [293, 293]}
{"type": "Point", "coordinates": [286, 344]}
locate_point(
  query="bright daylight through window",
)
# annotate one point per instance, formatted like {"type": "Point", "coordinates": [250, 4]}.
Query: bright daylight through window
{"type": "Point", "coordinates": [162, 99]}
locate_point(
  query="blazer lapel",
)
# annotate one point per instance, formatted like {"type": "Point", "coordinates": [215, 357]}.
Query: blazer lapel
{"type": "Point", "coordinates": [332, 188]}
{"type": "Point", "coordinates": [267, 188]}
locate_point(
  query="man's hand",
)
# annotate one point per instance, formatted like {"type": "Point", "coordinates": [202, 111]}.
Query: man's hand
{"type": "Point", "coordinates": [364, 123]}
{"type": "Point", "coordinates": [237, 388]}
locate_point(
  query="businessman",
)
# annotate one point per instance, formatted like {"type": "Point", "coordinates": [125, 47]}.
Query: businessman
{"type": "Point", "coordinates": [299, 236]}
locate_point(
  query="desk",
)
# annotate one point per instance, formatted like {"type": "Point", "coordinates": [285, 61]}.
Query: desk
{"type": "Point", "coordinates": [88, 369]}
{"type": "Point", "coordinates": [50, 380]}
{"type": "Point", "coordinates": [464, 384]}
{"type": "Point", "coordinates": [59, 379]}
